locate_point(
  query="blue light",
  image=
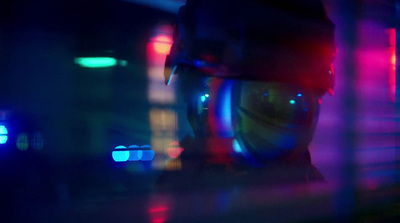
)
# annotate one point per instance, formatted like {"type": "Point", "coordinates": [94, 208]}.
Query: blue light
{"type": "Point", "coordinates": [265, 93]}
{"type": "Point", "coordinates": [3, 134]}
{"type": "Point", "coordinates": [135, 155]}
{"type": "Point", "coordinates": [292, 102]}
{"type": "Point", "coordinates": [236, 146]}
{"type": "Point", "coordinates": [299, 95]}
{"type": "Point", "coordinates": [120, 156]}
{"type": "Point", "coordinates": [203, 98]}
{"type": "Point", "coordinates": [146, 147]}
{"type": "Point", "coordinates": [120, 147]}
{"type": "Point", "coordinates": [148, 155]}
{"type": "Point", "coordinates": [133, 147]}
{"type": "Point", "coordinates": [224, 109]}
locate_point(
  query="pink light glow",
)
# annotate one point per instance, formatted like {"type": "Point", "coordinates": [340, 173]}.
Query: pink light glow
{"type": "Point", "coordinates": [158, 209]}
{"type": "Point", "coordinates": [392, 65]}
{"type": "Point", "coordinates": [174, 152]}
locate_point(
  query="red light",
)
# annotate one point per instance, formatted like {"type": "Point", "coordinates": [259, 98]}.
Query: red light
{"type": "Point", "coordinates": [162, 44]}
{"type": "Point", "coordinates": [157, 209]}
{"type": "Point", "coordinates": [174, 152]}
{"type": "Point", "coordinates": [159, 220]}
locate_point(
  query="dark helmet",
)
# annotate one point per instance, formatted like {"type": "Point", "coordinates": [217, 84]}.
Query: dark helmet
{"type": "Point", "coordinates": [254, 71]}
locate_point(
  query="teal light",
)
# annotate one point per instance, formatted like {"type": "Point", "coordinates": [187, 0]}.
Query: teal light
{"type": "Point", "coordinates": [3, 134]}
{"type": "Point", "coordinates": [22, 141]}
{"type": "Point", "coordinates": [292, 102]}
{"type": "Point", "coordinates": [96, 62]}
{"type": "Point", "coordinates": [3, 130]}
{"type": "Point", "coordinates": [203, 98]}
{"type": "Point", "coordinates": [120, 147]}
{"type": "Point", "coordinates": [123, 63]}
{"type": "Point", "coordinates": [3, 139]}
{"type": "Point", "coordinates": [236, 146]}
{"type": "Point", "coordinates": [120, 156]}
{"type": "Point", "coordinates": [299, 95]}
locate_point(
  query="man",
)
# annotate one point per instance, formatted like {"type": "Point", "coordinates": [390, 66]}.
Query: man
{"type": "Point", "coordinates": [253, 73]}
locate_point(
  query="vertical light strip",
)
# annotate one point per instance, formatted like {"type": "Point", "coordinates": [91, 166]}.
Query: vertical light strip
{"type": "Point", "coordinates": [162, 120]}
{"type": "Point", "coordinates": [392, 63]}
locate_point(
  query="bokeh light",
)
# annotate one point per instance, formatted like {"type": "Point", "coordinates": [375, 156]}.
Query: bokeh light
{"type": "Point", "coordinates": [22, 141]}
{"type": "Point", "coordinates": [3, 134]}
{"type": "Point", "coordinates": [162, 44]}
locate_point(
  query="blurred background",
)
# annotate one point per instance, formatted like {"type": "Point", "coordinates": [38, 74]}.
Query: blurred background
{"type": "Point", "coordinates": [81, 81]}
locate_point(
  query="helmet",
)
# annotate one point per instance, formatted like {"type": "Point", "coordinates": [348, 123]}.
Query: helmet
{"type": "Point", "coordinates": [253, 72]}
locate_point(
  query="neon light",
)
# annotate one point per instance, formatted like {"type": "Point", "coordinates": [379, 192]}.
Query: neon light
{"type": "Point", "coordinates": [392, 63]}
{"type": "Point", "coordinates": [96, 62]}
{"type": "Point", "coordinates": [203, 98]}
{"type": "Point", "coordinates": [133, 147]}
{"type": "Point", "coordinates": [207, 95]}
{"type": "Point", "coordinates": [224, 109]}
{"type": "Point", "coordinates": [120, 147]}
{"type": "Point", "coordinates": [3, 130]}
{"type": "Point", "coordinates": [120, 156]}
{"type": "Point", "coordinates": [22, 142]}
{"type": "Point", "coordinates": [158, 209]}
{"type": "Point", "coordinates": [3, 134]}
{"type": "Point", "coordinates": [162, 44]}
{"type": "Point", "coordinates": [292, 102]}
{"type": "Point", "coordinates": [135, 155]}
{"type": "Point", "coordinates": [146, 147]}
{"type": "Point", "coordinates": [3, 139]}
{"type": "Point", "coordinates": [159, 220]}
{"type": "Point", "coordinates": [299, 95]}
{"type": "Point", "coordinates": [236, 146]}
{"type": "Point", "coordinates": [148, 155]}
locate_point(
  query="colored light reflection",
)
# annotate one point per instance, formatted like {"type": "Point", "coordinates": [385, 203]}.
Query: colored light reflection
{"type": "Point", "coordinates": [96, 62]}
{"type": "Point", "coordinates": [292, 102]}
